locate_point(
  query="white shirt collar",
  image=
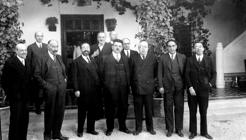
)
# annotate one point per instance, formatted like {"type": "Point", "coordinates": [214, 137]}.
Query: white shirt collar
{"type": "Point", "coordinates": [174, 55]}
{"type": "Point", "coordinates": [38, 44]}
{"type": "Point", "coordinates": [115, 55]}
{"type": "Point", "coordinates": [199, 56]}
{"type": "Point", "coordinates": [85, 58]}
{"type": "Point", "coordinates": [127, 51]}
{"type": "Point", "coordinates": [22, 60]}
{"type": "Point", "coordinates": [51, 55]}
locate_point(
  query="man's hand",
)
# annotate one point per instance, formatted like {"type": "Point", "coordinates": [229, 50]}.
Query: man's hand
{"type": "Point", "coordinates": [161, 90]}
{"type": "Point", "coordinates": [96, 53]}
{"type": "Point", "coordinates": [77, 93]}
{"type": "Point", "coordinates": [192, 91]}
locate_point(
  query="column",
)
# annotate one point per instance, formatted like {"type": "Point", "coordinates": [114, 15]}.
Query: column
{"type": "Point", "coordinates": [220, 82]}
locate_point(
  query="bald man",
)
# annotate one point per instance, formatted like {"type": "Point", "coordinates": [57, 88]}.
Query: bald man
{"type": "Point", "coordinates": [16, 82]}
{"type": "Point", "coordinates": [36, 50]}
{"type": "Point", "coordinates": [144, 70]}
{"type": "Point", "coordinates": [51, 76]}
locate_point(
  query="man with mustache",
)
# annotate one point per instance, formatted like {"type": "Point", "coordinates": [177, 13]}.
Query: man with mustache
{"type": "Point", "coordinates": [16, 84]}
{"type": "Point", "coordinates": [86, 85]}
{"type": "Point", "coordinates": [51, 76]}
{"type": "Point", "coordinates": [116, 80]}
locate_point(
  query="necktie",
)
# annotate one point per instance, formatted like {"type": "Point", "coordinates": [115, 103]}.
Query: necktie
{"type": "Point", "coordinates": [143, 56]}
{"type": "Point", "coordinates": [172, 55]}
{"type": "Point", "coordinates": [23, 62]}
{"type": "Point", "coordinates": [128, 54]}
{"type": "Point", "coordinates": [88, 59]}
{"type": "Point", "coordinates": [40, 45]}
{"type": "Point", "coordinates": [118, 57]}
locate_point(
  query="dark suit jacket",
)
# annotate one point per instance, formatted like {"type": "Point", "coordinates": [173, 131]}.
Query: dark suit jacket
{"type": "Point", "coordinates": [107, 49]}
{"type": "Point", "coordinates": [109, 71]}
{"type": "Point", "coordinates": [34, 52]}
{"type": "Point", "coordinates": [143, 74]}
{"type": "Point", "coordinates": [165, 71]}
{"type": "Point", "coordinates": [16, 79]}
{"type": "Point", "coordinates": [85, 76]}
{"type": "Point", "coordinates": [42, 71]}
{"type": "Point", "coordinates": [192, 74]}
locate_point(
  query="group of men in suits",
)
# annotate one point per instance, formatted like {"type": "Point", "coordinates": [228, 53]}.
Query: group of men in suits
{"type": "Point", "coordinates": [31, 73]}
{"type": "Point", "coordinates": [105, 74]}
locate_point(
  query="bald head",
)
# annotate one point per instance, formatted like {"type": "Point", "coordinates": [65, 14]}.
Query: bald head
{"type": "Point", "coordinates": [101, 37]}
{"type": "Point", "coordinates": [113, 35]}
{"type": "Point", "coordinates": [21, 50]}
{"type": "Point", "coordinates": [39, 36]}
{"type": "Point", "coordinates": [53, 46]}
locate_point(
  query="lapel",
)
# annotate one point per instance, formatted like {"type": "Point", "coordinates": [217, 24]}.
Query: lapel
{"type": "Point", "coordinates": [168, 61]}
{"type": "Point", "coordinates": [20, 66]}
{"type": "Point", "coordinates": [61, 63]}
{"type": "Point", "coordinates": [195, 61]}
{"type": "Point", "coordinates": [146, 60]}
{"type": "Point", "coordinates": [179, 60]}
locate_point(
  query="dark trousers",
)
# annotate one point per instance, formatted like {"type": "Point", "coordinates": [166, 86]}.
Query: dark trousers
{"type": "Point", "coordinates": [145, 101]}
{"type": "Point", "coordinates": [54, 111]}
{"type": "Point", "coordinates": [82, 113]}
{"type": "Point", "coordinates": [174, 104]}
{"type": "Point", "coordinates": [202, 102]}
{"type": "Point", "coordinates": [19, 118]}
{"type": "Point", "coordinates": [116, 107]}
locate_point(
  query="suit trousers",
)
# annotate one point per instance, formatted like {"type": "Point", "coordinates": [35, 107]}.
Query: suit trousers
{"type": "Point", "coordinates": [202, 102]}
{"type": "Point", "coordinates": [82, 113]}
{"type": "Point", "coordinates": [145, 101]}
{"type": "Point", "coordinates": [117, 108]}
{"type": "Point", "coordinates": [174, 104]}
{"type": "Point", "coordinates": [19, 118]}
{"type": "Point", "coordinates": [54, 110]}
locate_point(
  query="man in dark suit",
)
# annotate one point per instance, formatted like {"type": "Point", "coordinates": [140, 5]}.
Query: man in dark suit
{"type": "Point", "coordinates": [144, 70]}
{"type": "Point", "coordinates": [199, 75]}
{"type": "Point", "coordinates": [51, 76]}
{"type": "Point", "coordinates": [100, 49]}
{"type": "Point", "coordinates": [15, 82]}
{"type": "Point", "coordinates": [171, 78]}
{"type": "Point", "coordinates": [35, 51]}
{"type": "Point", "coordinates": [86, 85]}
{"type": "Point", "coordinates": [126, 49]}
{"type": "Point", "coordinates": [115, 77]}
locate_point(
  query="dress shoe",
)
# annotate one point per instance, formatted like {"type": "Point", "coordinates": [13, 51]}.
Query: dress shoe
{"type": "Point", "coordinates": [80, 134]}
{"type": "Point", "coordinates": [127, 131]}
{"type": "Point", "coordinates": [180, 133]}
{"type": "Point", "coordinates": [108, 132]}
{"type": "Point", "coordinates": [93, 132]}
{"type": "Point", "coordinates": [207, 136]}
{"type": "Point", "coordinates": [169, 133]}
{"type": "Point", "coordinates": [135, 133]}
{"type": "Point", "coordinates": [152, 132]}
{"type": "Point", "coordinates": [192, 136]}
{"type": "Point", "coordinates": [61, 138]}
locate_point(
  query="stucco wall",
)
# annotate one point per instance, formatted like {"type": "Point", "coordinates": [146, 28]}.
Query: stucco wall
{"type": "Point", "coordinates": [223, 23]}
{"type": "Point", "coordinates": [33, 14]}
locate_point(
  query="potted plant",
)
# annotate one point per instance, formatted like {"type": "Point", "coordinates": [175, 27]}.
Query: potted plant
{"type": "Point", "coordinates": [51, 21]}
{"type": "Point", "coordinates": [111, 24]}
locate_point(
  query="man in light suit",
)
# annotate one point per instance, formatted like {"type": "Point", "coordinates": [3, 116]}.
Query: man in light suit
{"type": "Point", "coordinates": [199, 75]}
{"type": "Point", "coordinates": [51, 76]}
{"type": "Point", "coordinates": [144, 71]}
{"type": "Point", "coordinates": [116, 81]}
{"type": "Point", "coordinates": [37, 50]}
{"type": "Point", "coordinates": [171, 82]}
{"type": "Point", "coordinates": [16, 83]}
{"type": "Point", "coordinates": [86, 83]}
